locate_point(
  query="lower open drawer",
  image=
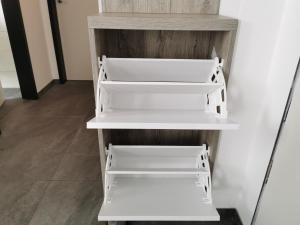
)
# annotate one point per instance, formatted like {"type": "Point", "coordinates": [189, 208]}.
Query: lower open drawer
{"type": "Point", "coordinates": [157, 199]}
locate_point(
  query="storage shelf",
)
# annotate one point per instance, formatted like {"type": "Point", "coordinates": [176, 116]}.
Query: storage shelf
{"type": "Point", "coordinates": [137, 199]}
{"type": "Point", "coordinates": [160, 87]}
{"type": "Point", "coordinates": [160, 119]}
{"type": "Point", "coordinates": [139, 21]}
{"type": "Point", "coordinates": [167, 160]}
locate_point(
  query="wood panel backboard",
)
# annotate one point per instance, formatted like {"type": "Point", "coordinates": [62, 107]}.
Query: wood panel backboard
{"type": "Point", "coordinates": [162, 6]}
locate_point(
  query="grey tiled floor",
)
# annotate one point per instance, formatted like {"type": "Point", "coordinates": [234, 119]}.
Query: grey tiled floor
{"type": "Point", "coordinates": [49, 161]}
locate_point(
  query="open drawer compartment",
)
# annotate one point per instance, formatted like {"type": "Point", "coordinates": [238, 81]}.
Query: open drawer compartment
{"type": "Point", "coordinates": [141, 93]}
{"type": "Point", "coordinates": [177, 179]}
{"type": "Point", "coordinates": [128, 159]}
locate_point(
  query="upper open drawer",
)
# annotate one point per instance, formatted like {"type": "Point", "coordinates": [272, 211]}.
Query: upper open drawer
{"type": "Point", "coordinates": [140, 93]}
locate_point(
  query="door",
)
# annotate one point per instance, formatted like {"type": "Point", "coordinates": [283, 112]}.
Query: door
{"type": "Point", "coordinates": [72, 18]}
{"type": "Point", "coordinates": [280, 199]}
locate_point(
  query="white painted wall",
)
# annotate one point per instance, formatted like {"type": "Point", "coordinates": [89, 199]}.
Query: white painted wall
{"type": "Point", "coordinates": [264, 62]}
{"type": "Point", "coordinates": [37, 44]}
{"type": "Point", "coordinates": [49, 38]}
{"type": "Point", "coordinates": [284, 179]}
{"type": "Point", "coordinates": [8, 74]}
{"type": "Point", "coordinates": [75, 38]}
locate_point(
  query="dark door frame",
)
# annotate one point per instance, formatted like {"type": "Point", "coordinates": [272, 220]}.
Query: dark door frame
{"type": "Point", "coordinates": [57, 41]}
{"type": "Point", "coordinates": [17, 37]}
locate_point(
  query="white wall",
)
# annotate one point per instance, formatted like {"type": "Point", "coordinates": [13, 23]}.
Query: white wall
{"type": "Point", "coordinates": [262, 72]}
{"type": "Point", "coordinates": [37, 44]}
{"type": "Point", "coordinates": [8, 74]}
{"type": "Point", "coordinates": [284, 179]}
{"type": "Point", "coordinates": [49, 38]}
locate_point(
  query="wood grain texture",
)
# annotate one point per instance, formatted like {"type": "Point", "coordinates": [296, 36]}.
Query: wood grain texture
{"type": "Point", "coordinates": [162, 6]}
{"type": "Point", "coordinates": [195, 6]}
{"type": "Point", "coordinates": [93, 41]}
{"type": "Point", "coordinates": [102, 145]}
{"type": "Point", "coordinates": [224, 45]}
{"type": "Point", "coordinates": [150, 6]}
{"type": "Point", "coordinates": [142, 21]}
{"type": "Point", "coordinates": [158, 44]}
{"type": "Point", "coordinates": [117, 6]}
{"type": "Point", "coordinates": [178, 44]}
{"type": "Point", "coordinates": [156, 137]}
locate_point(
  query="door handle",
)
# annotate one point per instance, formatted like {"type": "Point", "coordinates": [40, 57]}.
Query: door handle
{"type": "Point", "coordinates": [60, 1]}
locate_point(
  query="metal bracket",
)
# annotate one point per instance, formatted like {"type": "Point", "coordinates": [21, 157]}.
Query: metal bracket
{"type": "Point", "coordinates": [109, 178]}
{"type": "Point", "coordinates": [216, 101]}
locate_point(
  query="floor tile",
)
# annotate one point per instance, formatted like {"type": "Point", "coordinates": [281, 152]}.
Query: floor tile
{"type": "Point", "coordinates": [70, 99]}
{"type": "Point", "coordinates": [24, 163]}
{"type": "Point", "coordinates": [55, 133]}
{"type": "Point", "coordinates": [69, 105]}
{"type": "Point", "coordinates": [19, 201]}
{"type": "Point", "coordinates": [69, 203]}
{"type": "Point", "coordinates": [75, 167]}
{"type": "Point", "coordinates": [72, 88]}
{"type": "Point", "coordinates": [85, 142]}
{"type": "Point", "coordinates": [10, 105]}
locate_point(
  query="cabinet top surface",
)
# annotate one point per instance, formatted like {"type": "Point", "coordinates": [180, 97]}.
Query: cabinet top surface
{"type": "Point", "coordinates": [140, 21]}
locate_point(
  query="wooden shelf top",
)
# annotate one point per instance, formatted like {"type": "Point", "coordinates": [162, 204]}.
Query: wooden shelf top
{"type": "Point", "coordinates": [140, 21]}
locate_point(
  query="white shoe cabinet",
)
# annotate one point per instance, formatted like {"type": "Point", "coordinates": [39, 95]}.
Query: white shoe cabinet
{"type": "Point", "coordinates": [152, 99]}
